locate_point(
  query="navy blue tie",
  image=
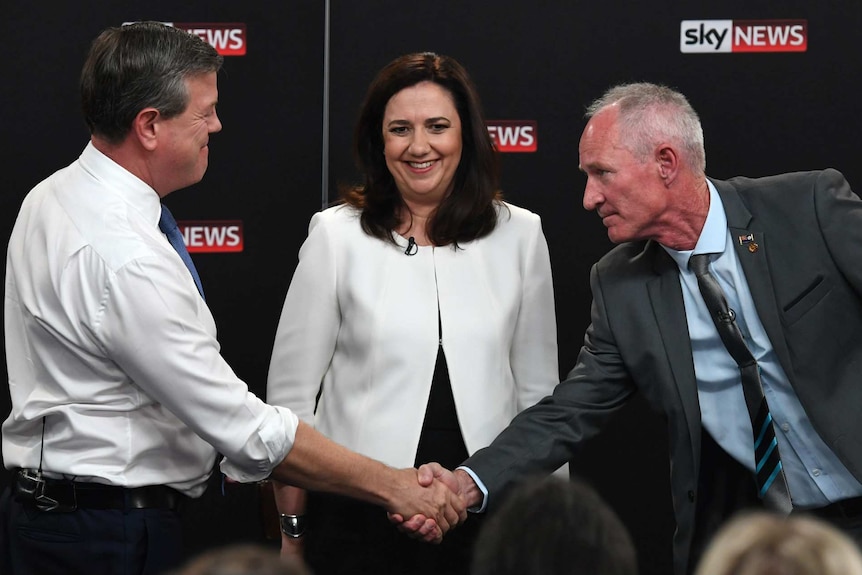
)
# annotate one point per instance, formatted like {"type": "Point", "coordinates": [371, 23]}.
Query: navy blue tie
{"type": "Point", "coordinates": [769, 472]}
{"type": "Point", "coordinates": [169, 227]}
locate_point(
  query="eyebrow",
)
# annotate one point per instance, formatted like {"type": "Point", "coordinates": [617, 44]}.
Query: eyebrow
{"type": "Point", "coordinates": [427, 121]}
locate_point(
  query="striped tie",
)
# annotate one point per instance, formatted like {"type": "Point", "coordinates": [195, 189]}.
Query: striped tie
{"type": "Point", "coordinates": [769, 473]}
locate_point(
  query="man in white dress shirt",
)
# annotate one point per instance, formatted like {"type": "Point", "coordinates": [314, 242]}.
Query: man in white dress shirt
{"type": "Point", "coordinates": [120, 397]}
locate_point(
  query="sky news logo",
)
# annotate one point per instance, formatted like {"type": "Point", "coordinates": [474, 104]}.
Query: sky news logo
{"type": "Point", "coordinates": [228, 39]}
{"type": "Point", "coordinates": [212, 235]}
{"type": "Point", "coordinates": [724, 36]}
{"type": "Point", "coordinates": [513, 135]}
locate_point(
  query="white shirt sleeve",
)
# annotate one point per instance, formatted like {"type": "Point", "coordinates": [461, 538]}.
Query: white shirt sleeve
{"type": "Point", "coordinates": [152, 329]}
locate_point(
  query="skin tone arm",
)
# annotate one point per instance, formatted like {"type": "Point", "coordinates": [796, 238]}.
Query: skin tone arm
{"type": "Point", "coordinates": [290, 500]}
{"type": "Point", "coordinates": [316, 462]}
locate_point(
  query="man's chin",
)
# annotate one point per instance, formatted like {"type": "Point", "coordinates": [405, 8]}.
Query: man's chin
{"type": "Point", "coordinates": [616, 236]}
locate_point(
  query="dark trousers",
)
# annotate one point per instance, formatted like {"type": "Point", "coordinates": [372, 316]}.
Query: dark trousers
{"type": "Point", "coordinates": [727, 488]}
{"type": "Point", "coordinates": [849, 522]}
{"type": "Point", "coordinates": [87, 541]}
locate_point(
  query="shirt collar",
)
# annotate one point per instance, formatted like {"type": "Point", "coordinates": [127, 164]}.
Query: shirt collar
{"type": "Point", "coordinates": [122, 182]}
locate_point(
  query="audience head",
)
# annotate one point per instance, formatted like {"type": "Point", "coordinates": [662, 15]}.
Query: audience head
{"type": "Point", "coordinates": [761, 543]}
{"type": "Point", "coordinates": [550, 526]}
{"type": "Point", "coordinates": [242, 559]}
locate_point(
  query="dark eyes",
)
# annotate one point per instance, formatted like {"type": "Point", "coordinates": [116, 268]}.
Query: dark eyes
{"type": "Point", "coordinates": [436, 128]}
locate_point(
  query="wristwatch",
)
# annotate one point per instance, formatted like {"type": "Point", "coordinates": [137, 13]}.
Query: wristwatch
{"type": "Point", "coordinates": [292, 525]}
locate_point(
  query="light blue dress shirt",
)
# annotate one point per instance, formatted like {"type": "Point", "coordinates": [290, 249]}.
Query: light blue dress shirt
{"type": "Point", "coordinates": [815, 476]}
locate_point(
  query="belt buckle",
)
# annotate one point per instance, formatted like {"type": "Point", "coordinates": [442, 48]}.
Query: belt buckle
{"type": "Point", "coordinates": [61, 500]}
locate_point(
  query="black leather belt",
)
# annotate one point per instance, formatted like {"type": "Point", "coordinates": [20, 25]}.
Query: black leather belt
{"type": "Point", "coordinates": [845, 508]}
{"type": "Point", "coordinates": [62, 495]}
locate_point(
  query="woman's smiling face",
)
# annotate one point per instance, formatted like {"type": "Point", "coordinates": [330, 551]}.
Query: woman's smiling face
{"type": "Point", "coordinates": [422, 142]}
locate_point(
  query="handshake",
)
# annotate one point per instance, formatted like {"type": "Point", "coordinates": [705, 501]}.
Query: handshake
{"type": "Point", "coordinates": [434, 503]}
{"type": "Point", "coordinates": [424, 503]}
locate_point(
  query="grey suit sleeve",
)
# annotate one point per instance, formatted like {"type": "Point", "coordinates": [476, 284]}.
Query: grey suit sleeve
{"type": "Point", "coordinates": [839, 212]}
{"type": "Point", "coordinates": [546, 435]}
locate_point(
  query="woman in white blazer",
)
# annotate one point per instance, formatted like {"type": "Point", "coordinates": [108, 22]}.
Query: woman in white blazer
{"type": "Point", "coordinates": [420, 318]}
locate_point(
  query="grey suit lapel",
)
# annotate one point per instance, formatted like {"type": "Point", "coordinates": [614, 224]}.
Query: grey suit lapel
{"type": "Point", "coordinates": [665, 296]}
{"type": "Point", "coordinates": [755, 264]}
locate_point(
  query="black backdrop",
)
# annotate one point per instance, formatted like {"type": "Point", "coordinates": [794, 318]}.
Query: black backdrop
{"type": "Point", "coordinates": [288, 107]}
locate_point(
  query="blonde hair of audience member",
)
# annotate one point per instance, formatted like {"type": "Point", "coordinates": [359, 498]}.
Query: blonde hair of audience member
{"type": "Point", "coordinates": [762, 543]}
{"type": "Point", "coordinates": [243, 559]}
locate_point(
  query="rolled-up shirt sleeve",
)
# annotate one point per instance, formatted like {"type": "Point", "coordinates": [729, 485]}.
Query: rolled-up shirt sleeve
{"type": "Point", "coordinates": [162, 336]}
{"type": "Point", "coordinates": [267, 444]}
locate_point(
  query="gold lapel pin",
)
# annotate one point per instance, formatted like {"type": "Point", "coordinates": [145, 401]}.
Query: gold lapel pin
{"type": "Point", "coordinates": [748, 240]}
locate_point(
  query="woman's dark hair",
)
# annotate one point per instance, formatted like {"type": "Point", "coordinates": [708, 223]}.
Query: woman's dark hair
{"type": "Point", "coordinates": [469, 211]}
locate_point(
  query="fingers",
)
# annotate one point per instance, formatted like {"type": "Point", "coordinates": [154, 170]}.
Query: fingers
{"type": "Point", "coordinates": [431, 532]}
{"type": "Point", "coordinates": [425, 474]}
{"type": "Point", "coordinates": [454, 515]}
{"type": "Point", "coordinates": [434, 470]}
{"type": "Point", "coordinates": [451, 510]}
{"type": "Point", "coordinates": [454, 510]}
{"type": "Point", "coordinates": [442, 520]}
{"type": "Point", "coordinates": [411, 524]}
{"type": "Point", "coordinates": [450, 480]}
{"type": "Point", "coordinates": [395, 518]}
{"type": "Point", "coordinates": [427, 512]}
{"type": "Point", "coordinates": [422, 528]}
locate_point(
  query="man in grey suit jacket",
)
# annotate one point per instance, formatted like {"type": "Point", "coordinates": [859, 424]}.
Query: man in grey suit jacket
{"type": "Point", "coordinates": [786, 250]}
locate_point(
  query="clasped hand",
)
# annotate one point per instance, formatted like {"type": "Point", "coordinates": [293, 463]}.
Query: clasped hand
{"type": "Point", "coordinates": [442, 487]}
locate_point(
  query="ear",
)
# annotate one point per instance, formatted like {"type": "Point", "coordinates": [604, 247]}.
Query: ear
{"type": "Point", "coordinates": [668, 163]}
{"type": "Point", "coordinates": [145, 128]}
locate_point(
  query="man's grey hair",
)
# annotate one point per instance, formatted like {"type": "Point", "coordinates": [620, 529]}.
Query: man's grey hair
{"type": "Point", "coordinates": [651, 114]}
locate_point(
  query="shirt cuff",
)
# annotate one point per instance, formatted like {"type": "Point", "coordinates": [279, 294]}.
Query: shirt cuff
{"type": "Point", "coordinates": [266, 449]}
{"type": "Point", "coordinates": [482, 488]}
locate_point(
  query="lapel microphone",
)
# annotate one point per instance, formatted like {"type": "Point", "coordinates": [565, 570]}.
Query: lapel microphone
{"type": "Point", "coordinates": [412, 248]}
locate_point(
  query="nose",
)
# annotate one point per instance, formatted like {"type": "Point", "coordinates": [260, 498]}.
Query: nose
{"type": "Point", "coordinates": [419, 145]}
{"type": "Point", "coordinates": [592, 197]}
{"type": "Point", "coordinates": [215, 124]}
